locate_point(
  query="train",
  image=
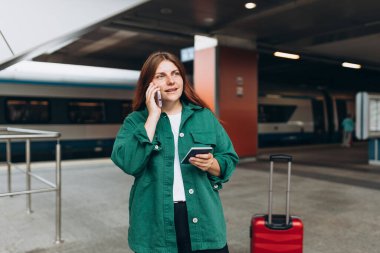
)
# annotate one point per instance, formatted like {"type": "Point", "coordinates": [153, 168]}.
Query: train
{"type": "Point", "coordinates": [89, 116]}
{"type": "Point", "coordinates": [290, 117]}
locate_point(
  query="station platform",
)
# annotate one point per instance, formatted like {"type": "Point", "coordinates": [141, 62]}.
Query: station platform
{"type": "Point", "coordinates": [333, 190]}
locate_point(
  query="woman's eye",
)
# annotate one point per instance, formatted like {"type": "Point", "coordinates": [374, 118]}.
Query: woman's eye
{"type": "Point", "coordinates": [160, 77]}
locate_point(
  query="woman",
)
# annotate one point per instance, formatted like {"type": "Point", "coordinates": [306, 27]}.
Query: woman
{"type": "Point", "coordinates": [173, 207]}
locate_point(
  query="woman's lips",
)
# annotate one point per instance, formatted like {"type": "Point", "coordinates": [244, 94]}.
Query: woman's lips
{"type": "Point", "coordinates": [171, 90]}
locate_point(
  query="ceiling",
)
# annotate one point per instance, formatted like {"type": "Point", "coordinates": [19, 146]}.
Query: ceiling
{"type": "Point", "coordinates": [324, 32]}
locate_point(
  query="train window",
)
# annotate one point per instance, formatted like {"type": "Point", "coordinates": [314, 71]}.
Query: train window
{"type": "Point", "coordinates": [86, 112]}
{"type": "Point", "coordinates": [126, 108]}
{"type": "Point", "coordinates": [275, 113]}
{"type": "Point", "coordinates": [27, 111]}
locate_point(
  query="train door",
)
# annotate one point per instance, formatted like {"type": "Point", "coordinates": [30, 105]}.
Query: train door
{"type": "Point", "coordinates": [341, 112]}
{"type": "Point", "coordinates": [329, 116]}
{"type": "Point", "coordinates": [319, 121]}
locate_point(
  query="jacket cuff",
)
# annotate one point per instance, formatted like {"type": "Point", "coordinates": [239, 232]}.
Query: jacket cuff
{"type": "Point", "coordinates": [216, 182]}
{"type": "Point", "coordinates": [142, 136]}
{"type": "Point", "coordinates": [224, 176]}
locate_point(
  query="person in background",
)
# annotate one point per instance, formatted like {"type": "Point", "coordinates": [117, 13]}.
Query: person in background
{"type": "Point", "coordinates": [348, 128]}
{"type": "Point", "coordinates": [173, 207]}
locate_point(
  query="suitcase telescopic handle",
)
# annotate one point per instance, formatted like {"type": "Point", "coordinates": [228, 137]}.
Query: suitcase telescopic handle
{"type": "Point", "coordinates": [280, 157]}
{"type": "Point", "coordinates": [285, 158]}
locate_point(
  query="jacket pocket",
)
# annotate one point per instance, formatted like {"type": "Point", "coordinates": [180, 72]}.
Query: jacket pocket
{"type": "Point", "coordinates": [204, 138]}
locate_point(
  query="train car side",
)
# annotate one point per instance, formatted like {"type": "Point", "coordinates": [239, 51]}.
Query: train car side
{"type": "Point", "coordinates": [284, 120]}
{"type": "Point", "coordinates": [295, 118]}
{"type": "Point", "coordinates": [87, 117]}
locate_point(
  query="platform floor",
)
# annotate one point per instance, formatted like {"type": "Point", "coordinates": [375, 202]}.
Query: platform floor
{"type": "Point", "coordinates": [333, 189]}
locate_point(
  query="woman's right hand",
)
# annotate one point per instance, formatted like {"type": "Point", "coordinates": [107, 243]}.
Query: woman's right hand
{"type": "Point", "coordinates": [150, 101]}
{"type": "Point", "coordinates": [153, 109]}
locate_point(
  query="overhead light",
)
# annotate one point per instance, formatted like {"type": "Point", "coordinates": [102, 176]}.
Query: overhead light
{"type": "Point", "coordinates": [351, 65]}
{"type": "Point", "coordinates": [286, 55]}
{"type": "Point", "coordinates": [250, 5]}
{"type": "Point", "coordinates": [208, 20]}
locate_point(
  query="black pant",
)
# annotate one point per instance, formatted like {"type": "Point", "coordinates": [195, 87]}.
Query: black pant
{"type": "Point", "coordinates": [183, 234]}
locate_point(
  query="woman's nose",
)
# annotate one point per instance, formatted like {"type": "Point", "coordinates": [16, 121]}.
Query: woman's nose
{"type": "Point", "coordinates": [170, 79]}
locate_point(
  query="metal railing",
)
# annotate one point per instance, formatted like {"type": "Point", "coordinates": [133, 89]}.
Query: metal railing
{"type": "Point", "coordinates": [28, 135]}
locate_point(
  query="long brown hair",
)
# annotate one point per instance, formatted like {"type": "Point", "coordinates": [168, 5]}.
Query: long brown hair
{"type": "Point", "coordinates": [146, 76]}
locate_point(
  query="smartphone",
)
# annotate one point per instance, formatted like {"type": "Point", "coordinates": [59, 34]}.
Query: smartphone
{"type": "Point", "coordinates": [158, 98]}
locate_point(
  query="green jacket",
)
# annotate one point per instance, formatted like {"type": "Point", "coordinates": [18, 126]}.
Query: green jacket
{"type": "Point", "coordinates": [151, 208]}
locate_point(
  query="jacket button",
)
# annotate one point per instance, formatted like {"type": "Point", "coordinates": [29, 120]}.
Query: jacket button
{"type": "Point", "coordinates": [195, 220]}
{"type": "Point", "coordinates": [216, 186]}
{"type": "Point", "coordinates": [156, 147]}
{"type": "Point", "coordinates": [191, 191]}
{"type": "Point", "coordinates": [181, 135]}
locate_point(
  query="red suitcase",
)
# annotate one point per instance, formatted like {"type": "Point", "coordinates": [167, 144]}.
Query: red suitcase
{"type": "Point", "coordinates": [277, 233]}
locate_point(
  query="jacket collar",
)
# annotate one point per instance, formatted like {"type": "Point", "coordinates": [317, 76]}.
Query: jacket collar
{"type": "Point", "coordinates": [190, 106]}
{"type": "Point", "coordinates": [187, 110]}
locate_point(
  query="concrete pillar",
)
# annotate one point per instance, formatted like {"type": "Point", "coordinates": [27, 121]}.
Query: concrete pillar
{"type": "Point", "coordinates": [226, 78]}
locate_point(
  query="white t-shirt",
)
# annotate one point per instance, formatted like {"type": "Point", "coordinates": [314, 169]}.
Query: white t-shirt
{"type": "Point", "coordinates": [178, 188]}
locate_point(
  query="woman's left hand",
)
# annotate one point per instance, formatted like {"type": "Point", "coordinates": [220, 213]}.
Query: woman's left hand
{"type": "Point", "coordinates": [202, 161]}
